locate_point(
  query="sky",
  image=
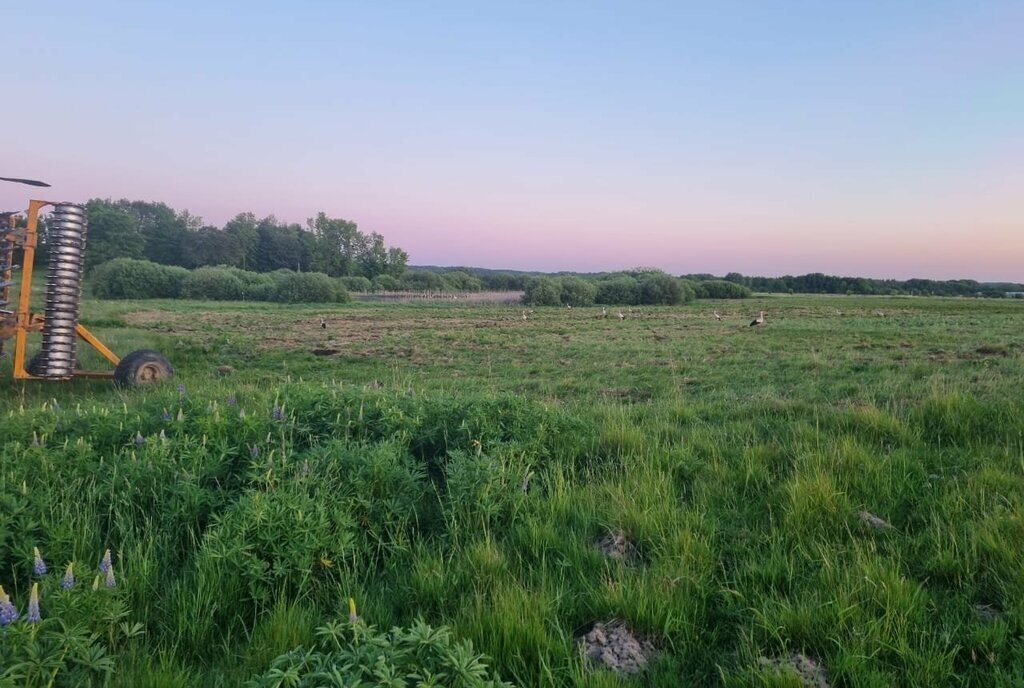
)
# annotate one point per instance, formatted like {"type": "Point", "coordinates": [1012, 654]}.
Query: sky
{"type": "Point", "coordinates": [851, 137]}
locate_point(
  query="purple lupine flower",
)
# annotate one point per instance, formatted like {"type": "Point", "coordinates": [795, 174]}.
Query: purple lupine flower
{"type": "Point", "coordinates": [105, 562]}
{"type": "Point", "coordinates": [69, 577]}
{"type": "Point", "coordinates": [8, 612]}
{"type": "Point", "coordinates": [254, 451]}
{"type": "Point", "coordinates": [139, 439]}
{"type": "Point", "coordinates": [181, 390]}
{"type": "Point", "coordinates": [38, 565]}
{"type": "Point", "coordinates": [110, 582]}
{"type": "Point", "coordinates": [166, 416]}
{"type": "Point", "coordinates": [232, 401]}
{"type": "Point", "coordinates": [33, 605]}
{"type": "Point", "coordinates": [277, 413]}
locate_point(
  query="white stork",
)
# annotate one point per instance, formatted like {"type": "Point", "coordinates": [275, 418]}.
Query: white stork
{"type": "Point", "coordinates": [718, 316]}
{"type": "Point", "coordinates": [759, 320]}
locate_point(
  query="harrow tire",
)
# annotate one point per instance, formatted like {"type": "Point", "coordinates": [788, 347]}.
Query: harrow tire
{"type": "Point", "coordinates": [142, 367]}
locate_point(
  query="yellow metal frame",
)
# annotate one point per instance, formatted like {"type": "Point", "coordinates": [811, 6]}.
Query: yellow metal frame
{"type": "Point", "coordinates": [26, 321]}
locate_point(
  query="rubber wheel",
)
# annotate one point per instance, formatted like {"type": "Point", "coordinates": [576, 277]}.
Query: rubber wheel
{"type": "Point", "coordinates": [142, 367]}
{"type": "Point", "coordinates": [35, 365]}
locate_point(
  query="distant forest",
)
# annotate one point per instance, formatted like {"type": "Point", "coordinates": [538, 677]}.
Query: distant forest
{"type": "Point", "coordinates": [336, 247]}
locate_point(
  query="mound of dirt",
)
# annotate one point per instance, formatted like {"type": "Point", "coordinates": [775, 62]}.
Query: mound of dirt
{"type": "Point", "coordinates": [615, 545]}
{"type": "Point", "coordinates": [613, 645]}
{"type": "Point", "coordinates": [811, 673]}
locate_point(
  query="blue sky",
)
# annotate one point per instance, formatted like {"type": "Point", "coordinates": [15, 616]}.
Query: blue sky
{"type": "Point", "coordinates": [880, 139]}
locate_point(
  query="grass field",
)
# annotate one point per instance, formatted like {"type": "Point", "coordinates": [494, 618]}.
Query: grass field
{"type": "Point", "coordinates": [384, 459]}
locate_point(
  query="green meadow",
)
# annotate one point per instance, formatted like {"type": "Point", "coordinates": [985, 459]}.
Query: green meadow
{"type": "Point", "coordinates": [844, 483]}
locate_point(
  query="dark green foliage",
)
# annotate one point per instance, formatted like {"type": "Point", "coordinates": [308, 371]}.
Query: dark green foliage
{"type": "Point", "coordinates": [576, 291]}
{"type": "Point", "coordinates": [309, 287]}
{"type": "Point", "coordinates": [358, 284]}
{"type": "Point", "coordinates": [657, 288]}
{"type": "Point", "coordinates": [353, 654]}
{"type": "Point", "coordinates": [112, 233]}
{"type": "Point", "coordinates": [459, 280]}
{"type": "Point", "coordinates": [421, 280]}
{"type": "Point", "coordinates": [721, 289]}
{"type": "Point", "coordinates": [386, 283]}
{"type": "Point", "coordinates": [621, 290]}
{"type": "Point", "coordinates": [543, 291]}
{"type": "Point", "coordinates": [214, 283]}
{"type": "Point", "coordinates": [129, 278]}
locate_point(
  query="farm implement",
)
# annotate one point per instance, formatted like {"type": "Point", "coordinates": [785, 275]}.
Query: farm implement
{"type": "Point", "coordinates": [61, 331]}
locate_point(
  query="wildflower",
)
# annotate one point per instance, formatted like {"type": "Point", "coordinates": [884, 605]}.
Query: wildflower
{"type": "Point", "coordinates": [241, 413]}
{"type": "Point", "coordinates": [166, 416]}
{"type": "Point", "coordinates": [277, 413]}
{"type": "Point", "coordinates": [69, 577]}
{"type": "Point", "coordinates": [55, 405]}
{"type": "Point", "coordinates": [105, 562]}
{"type": "Point", "coordinates": [232, 401]}
{"type": "Point", "coordinates": [352, 616]}
{"type": "Point", "coordinates": [139, 439]}
{"type": "Point", "coordinates": [35, 440]}
{"type": "Point", "coordinates": [254, 451]}
{"type": "Point", "coordinates": [8, 612]}
{"type": "Point", "coordinates": [110, 582]}
{"type": "Point", "coordinates": [38, 566]}
{"type": "Point", "coordinates": [181, 389]}
{"type": "Point", "coordinates": [33, 605]}
{"type": "Point", "coordinates": [96, 583]}
{"type": "Point", "coordinates": [305, 468]}
{"type": "Point", "coordinates": [163, 437]}
{"type": "Point", "coordinates": [181, 415]}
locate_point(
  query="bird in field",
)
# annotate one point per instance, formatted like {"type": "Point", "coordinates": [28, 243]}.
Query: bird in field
{"type": "Point", "coordinates": [621, 316]}
{"type": "Point", "coordinates": [323, 324]}
{"type": "Point", "coordinates": [718, 316]}
{"type": "Point", "coordinates": [759, 320]}
{"type": "Point", "coordinates": [524, 315]}
{"type": "Point", "coordinates": [604, 312]}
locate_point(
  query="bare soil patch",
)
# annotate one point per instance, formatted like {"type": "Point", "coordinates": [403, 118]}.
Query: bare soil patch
{"type": "Point", "coordinates": [615, 646]}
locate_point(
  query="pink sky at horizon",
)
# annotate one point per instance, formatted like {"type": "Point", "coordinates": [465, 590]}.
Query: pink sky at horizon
{"type": "Point", "coordinates": [877, 141]}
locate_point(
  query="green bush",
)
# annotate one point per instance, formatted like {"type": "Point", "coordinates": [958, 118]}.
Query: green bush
{"type": "Point", "coordinates": [352, 653]}
{"type": "Point", "coordinates": [658, 288]}
{"type": "Point", "coordinates": [214, 283]}
{"type": "Point", "coordinates": [460, 280]}
{"type": "Point", "coordinates": [309, 287]}
{"type": "Point", "coordinates": [543, 291]}
{"type": "Point", "coordinates": [386, 283]}
{"type": "Point", "coordinates": [577, 291]}
{"type": "Point", "coordinates": [129, 278]}
{"type": "Point", "coordinates": [720, 289]}
{"type": "Point", "coordinates": [620, 291]}
{"type": "Point", "coordinates": [357, 283]}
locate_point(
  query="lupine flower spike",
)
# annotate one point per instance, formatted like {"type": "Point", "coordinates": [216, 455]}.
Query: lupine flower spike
{"type": "Point", "coordinates": [105, 562]}
{"type": "Point", "coordinates": [33, 605]}
{"type": "Point", "coordinates": [181, 415]}
{"type": "Point", "coordinates": [166, 417]}
{"type": "Point", "coordinates": [96, 583]}
{"type": "Point", "coordinates": [8, 612]}
{"type": "Point", "coordinates": [139, 439]}
{"type": "Point", "coordinates": [110, 582]}
{"type": "Point", "coordinates": [352, 616]}
{"type": "Point", "coordinates": [69, 577]}
{"type": "Point", "coordinates": [38, 566]}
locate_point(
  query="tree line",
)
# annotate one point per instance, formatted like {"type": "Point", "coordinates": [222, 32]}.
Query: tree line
{"type": "Point", "coordinates": [156, 232]}
{"type": "Point", "coordinates": [819, 283]}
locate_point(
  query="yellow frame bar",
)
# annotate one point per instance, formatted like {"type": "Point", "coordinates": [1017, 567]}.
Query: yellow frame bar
{"type": "Point", "coordinates": [29, 322]}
